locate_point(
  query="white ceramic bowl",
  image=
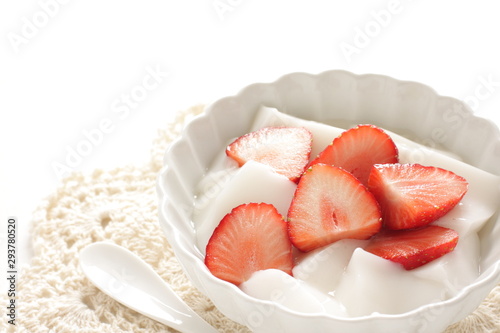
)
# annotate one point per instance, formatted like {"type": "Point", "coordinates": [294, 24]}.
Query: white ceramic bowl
{"type": "Point", "coordinates": [407, 108]}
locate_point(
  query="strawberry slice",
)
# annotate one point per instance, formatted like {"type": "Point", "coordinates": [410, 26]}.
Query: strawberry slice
{"type": "Point", "coordinates": [250, 238]}
{"type": "Point", "coordinates": [358, 149]}
{"type": "Point", "coordinates": [285, 149]}
{"type": "Point", "coordinates": [413, 195]}
{"type": "Point", "coordinates": [330, 204]}
{"type": "Point", "coordinates": [415, 247]}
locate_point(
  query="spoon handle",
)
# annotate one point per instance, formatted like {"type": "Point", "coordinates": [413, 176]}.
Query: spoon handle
{"type": "Point", "coordinates": [185, 321]}
{"type": "Point", "coordinates": [127, 278]}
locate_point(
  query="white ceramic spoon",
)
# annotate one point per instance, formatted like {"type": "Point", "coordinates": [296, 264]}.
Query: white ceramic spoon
{"type": "Point", "coordinates": [128, 279]}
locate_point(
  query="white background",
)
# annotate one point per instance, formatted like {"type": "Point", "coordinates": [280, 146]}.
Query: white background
{"type": "Point", "coordinates": [66, 68]}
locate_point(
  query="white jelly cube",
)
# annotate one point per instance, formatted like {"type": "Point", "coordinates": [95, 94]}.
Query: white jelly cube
{"type": "Point", "coordinates": [323, 267]}
{"type": "Point", "coordinates": [373, 284]}
{"type": "Point", "coordinates": [278, 286]}
{"type": "Point", "coordinates": [253, 182]}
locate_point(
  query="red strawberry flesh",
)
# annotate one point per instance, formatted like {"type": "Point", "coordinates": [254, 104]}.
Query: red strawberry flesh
{"type": "Point", "coordinates": [414, 247]}
{"type": "Point", "coordinates": [331, 204]}
{"type": "Point", "coordinates": [285, 149]}
{"type": "Point", "coordinates": [250, 238]}
{"type": "Point", "coordinates": [358, 149]}
{"type": "Point", "coordinates": [412, 195]}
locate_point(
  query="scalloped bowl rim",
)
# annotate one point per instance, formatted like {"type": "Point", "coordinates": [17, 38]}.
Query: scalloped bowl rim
{"type": "Point", "coordinates": [487, 277]}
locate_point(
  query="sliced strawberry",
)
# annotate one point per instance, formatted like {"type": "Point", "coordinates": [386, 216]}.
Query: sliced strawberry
{"type": "Point", "coordinates": [331, 204]}
{"type": "Point", "coordinates": [285, 149]}
{"type": "Point", "coordinates": [250, 238]}
{"type": "Point", "coordinates": [414, 247]}
{"type": "Point", "coordinates": [358, 149]}
{"type": "Point", "coordinates": [413, 195]}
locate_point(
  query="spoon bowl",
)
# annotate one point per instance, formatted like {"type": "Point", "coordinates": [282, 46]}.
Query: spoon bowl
{"type": "Point", "coordinates": [125, 277]}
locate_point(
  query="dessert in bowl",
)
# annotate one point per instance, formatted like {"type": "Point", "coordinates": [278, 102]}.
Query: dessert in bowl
{"type": "Point", "coordinates": [428, 127]}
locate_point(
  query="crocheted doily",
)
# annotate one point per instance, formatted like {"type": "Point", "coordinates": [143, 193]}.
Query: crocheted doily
{"type": "Point", "coordinates": [120, 206]}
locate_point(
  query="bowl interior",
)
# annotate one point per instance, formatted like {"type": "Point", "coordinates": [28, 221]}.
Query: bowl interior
{"type": "Point", "coordinates": [339, 98]}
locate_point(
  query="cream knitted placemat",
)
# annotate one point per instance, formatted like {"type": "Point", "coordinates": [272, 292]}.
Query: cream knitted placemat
{"type": "Point", "coordinates": [120, 205]}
